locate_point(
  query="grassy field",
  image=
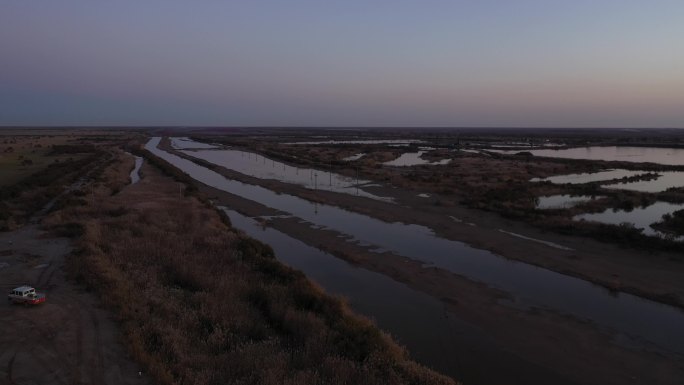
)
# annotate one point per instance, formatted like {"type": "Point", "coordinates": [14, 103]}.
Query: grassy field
{"type": "Point", "coordinates": [201, 303]}
{"type": "Point", "coordinates": [37, 168]}
{"type": "Point", "coordinates": [22, 156]}
{"type": "Point", "coordinates": [34, 170]}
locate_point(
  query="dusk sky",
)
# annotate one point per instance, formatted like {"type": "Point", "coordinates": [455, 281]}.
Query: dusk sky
{"type": "Point", "coordinates": [523, 63]}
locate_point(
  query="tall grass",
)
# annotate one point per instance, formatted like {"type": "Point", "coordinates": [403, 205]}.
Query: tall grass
{"type": "Point", "coordinates": [20, 200]}
{"type": "Point", "coordinates": [201, 303]}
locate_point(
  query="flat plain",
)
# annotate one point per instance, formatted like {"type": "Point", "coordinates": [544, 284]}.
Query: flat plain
{"type": "Point", "coordinates": [319, 256]}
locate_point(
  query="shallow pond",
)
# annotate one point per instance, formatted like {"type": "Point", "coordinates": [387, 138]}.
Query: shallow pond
{"type": "Point", "coordinates": [668, 156]}
{"type": "Point", "coordinates": [640, 217]}
{"type": "Point", "coordinates": [354, 157]}
{"type": "Point", "coordinates": [589, 177]}
{"type": "Point", "coordinates": [560, 201]}
{"type": "Point", "coordinates": [413, 159]}
{"type": "Point", "coordinates": [666, 180]}
{"type": "Point", "coordinates": [360, 141]}
{"type": "Point", "coordinates": [641, 322]}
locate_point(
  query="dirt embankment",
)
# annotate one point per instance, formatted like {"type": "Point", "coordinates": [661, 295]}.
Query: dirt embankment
{"type": "Point", "coordinates": [201, 303]}
{"type": "Point", "coordinates": [533, 336]}
{"type": "Point", "coordinates": [657, 276]}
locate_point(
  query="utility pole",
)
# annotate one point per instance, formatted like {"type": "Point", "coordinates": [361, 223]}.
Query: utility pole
{"type": "Point", "coordinates": [330, 172]}
{"type": "Point", "coordinates": [315, 180]}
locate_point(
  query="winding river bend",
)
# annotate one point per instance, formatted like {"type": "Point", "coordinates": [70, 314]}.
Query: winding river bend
{"type": "Point", "coordinates": [636, 323]}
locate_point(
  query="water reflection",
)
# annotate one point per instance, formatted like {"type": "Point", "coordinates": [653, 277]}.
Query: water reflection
{"type": "Point", "coordinates": [414, 319]}
{"type": "Point", "coordinates": [665, 180]}
{"type": "Point", "coordinates": [668, 156]}
{"type": "Point", "coordinates": [530, 285]}
{"type": "Point", "coordinates": [135, 173]}
{"type": "Point", "coordinates": [354, 157]}
{"type": "Point", "coordinates": [413, 159]}
{"type": "Point", "coordinates": [187, 144]}
{"type": "Point", "coordinates": [561, 201]}
{"type": "Point", "coordinates": [590, 177]}
{"type": "Point", "coordinates": [640, 217]}
{"type": "Point", "coordinates": [360, 141]}
{"type": "Point", "coordinates": [253, 164]}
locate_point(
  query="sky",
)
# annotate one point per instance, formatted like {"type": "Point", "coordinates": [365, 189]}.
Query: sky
{"type": "Point", "coordinates": [429, 63]}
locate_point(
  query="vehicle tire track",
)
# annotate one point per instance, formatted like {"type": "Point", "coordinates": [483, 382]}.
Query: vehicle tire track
{"type": "Point", "coordinates": [97, 370]}
{"type": "Point", "coordinates": [39, 281]}
{"type": "Point", "coordinates": [10, 366]}
{"type": "Point", "coordinates": [53, 342]}
{"type": "Point", "coordinates": [40, 336]}
{"type": "Point", "coordinates": [78, 362]}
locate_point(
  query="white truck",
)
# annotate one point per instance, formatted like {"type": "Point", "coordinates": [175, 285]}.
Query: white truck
{"type": "Point", "coordinates": [25, 295]}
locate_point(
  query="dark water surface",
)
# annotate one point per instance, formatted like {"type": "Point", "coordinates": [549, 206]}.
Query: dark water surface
{"type": "Point", "coordinates": [637, 322]}
{"type": "Point", "coordinates": [668, 156]}
{"type": "Point", "coordinates": [433, 336]}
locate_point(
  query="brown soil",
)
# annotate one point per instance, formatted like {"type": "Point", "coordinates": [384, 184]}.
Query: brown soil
{"type": "Point", "coordinates": [235, 314]}
{"type": "Point", "coordinates": [68, 339]}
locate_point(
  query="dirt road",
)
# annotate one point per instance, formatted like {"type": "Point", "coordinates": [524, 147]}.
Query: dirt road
{"type": "Point", "coordinates": [67, 340]}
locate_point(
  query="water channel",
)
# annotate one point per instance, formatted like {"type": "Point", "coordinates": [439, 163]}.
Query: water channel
{"type": "Point", "coordinates": [135, 173]}
{"type": "Point", "coordinates": [637, 322]}
{"type": "Point", "coordinates": [422, 323]}
{"type": "Point", "coordinates": [253, 164]}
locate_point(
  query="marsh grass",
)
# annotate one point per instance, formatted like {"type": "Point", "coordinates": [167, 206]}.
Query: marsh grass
{"type": "Point", "coordinates": [201, 303]}
{"type": "Point", "coordinates": [25, 197]}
